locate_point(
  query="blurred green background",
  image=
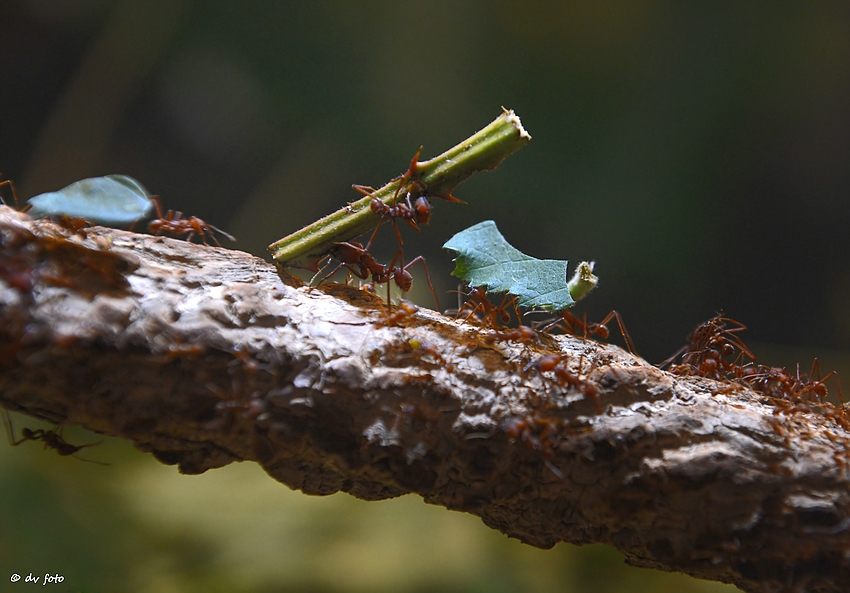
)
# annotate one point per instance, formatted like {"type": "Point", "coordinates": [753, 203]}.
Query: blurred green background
{"type": "Point", "coordinates": [699, 153]}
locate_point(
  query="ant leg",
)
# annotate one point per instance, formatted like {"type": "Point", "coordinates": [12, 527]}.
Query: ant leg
{"type": "Point", "coordinates": [366, 190]}
{"type": "Point", "coordinates": [8, 182]}
{"type": "Point", "coordinates": [623, 332]}
{"type": "Point", "coordinates": [10, 432]}
{"type": "Point", "coordinates": [411, 171]}
{"type": "Point", "coordinates": [322, 269]}
{"type": "Point", "coordinates": [374, 234]}
{"type": "Point", "coordinates": [464, 307]}
{"type": "Point", "coordinates": [399, 255]}
{"type": "Point", "coordinates": [411, 221]}
{"type": "Point", "coordinates": [420, 259]}
{"type": "Point", "coordinates": [397, 233]}
{"type": "Point", "coordinates": [564, 322]}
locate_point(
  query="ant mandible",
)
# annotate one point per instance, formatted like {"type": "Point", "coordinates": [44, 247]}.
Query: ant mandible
{"type": "Point", "coordinates": [52, 439]}
{"type": "Point", "coordinates": [173, 222]}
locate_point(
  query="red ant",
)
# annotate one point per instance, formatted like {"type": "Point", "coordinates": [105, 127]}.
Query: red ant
{"type": "Point", "coordinates": [541, 440]}
{"type": "Point", "coordinates": [173, 222]}
{"type": "Point", "coordinates": [414, 213]}
{"type": "Point", "coordinates": [405, 311]}
{"type": "Point", "coordinates": [420, 349]}
{"type": "Point", "coordinates": [570, 324]}
{"type": "Point", "coordinates": [523, 333]}
{"type": "Point", "coordinates": [492, 315]}
{"type": "Point", "coordinates": [779, 383]}
{"type": "Point", "coordinates": [360, 262]}
{"type": "Point", "coordinates": [709, 347]}
{"type": "Point", "coordinates": [566, 378]}
{"type": "Point", "coordinates": [52, 439]}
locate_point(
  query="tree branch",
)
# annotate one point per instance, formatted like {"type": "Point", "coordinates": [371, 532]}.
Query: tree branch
{"type": "Point", "coordinates": [203, 356]}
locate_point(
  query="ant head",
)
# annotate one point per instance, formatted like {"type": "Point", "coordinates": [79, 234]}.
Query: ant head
{"type": "Point", "coordinates": [348, 252]}
{"type": "Point", "coordinates": [403, 279]}
{"type": "Point", "coordinates": [422, 208]}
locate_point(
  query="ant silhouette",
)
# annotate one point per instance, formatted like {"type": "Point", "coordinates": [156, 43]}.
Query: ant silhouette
{"type": "Point", "coordinates": [173, 222]}
{"type": "Point", "coordinates": [52, 439]}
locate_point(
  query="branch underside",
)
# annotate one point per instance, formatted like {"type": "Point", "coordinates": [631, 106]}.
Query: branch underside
{"type": "Point", "coordinates": [203, 356]}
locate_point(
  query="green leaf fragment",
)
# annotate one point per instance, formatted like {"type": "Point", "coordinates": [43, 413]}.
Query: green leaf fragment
{"type": "Point", "coordinates": [114, 200]}
{"type": "Point", "coordinates": [485, 258]}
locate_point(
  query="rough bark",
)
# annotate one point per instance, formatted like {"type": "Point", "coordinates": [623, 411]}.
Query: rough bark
{"type": "Point", "coordinates": [204, 356]}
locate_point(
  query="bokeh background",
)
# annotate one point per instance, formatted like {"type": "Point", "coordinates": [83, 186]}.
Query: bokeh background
{"type": "Point", "coordinates": [698, 152]}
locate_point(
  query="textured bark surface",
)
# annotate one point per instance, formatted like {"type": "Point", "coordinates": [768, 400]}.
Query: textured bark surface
{"type": "Point", "coordinates": [204, 356]}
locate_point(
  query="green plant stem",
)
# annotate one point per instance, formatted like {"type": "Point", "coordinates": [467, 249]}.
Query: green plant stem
{"type": "Point", "coordinates": [437, 177]}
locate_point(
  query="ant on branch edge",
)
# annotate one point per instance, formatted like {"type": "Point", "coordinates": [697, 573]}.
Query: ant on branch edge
{"type": "Point", "coordinates": [52, 439]}
{"type": "Point", "coordinates": [174, 223]}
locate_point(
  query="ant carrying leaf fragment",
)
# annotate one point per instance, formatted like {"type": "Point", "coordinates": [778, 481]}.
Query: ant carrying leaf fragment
{"type": "Point", "coordinates": [488, 263]}
{"type": "Point", "coordinates": [485, 258]}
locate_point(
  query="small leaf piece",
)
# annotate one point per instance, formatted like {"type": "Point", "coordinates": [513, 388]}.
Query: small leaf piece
{"type": "Point", "coordinates": [114, 200]}
{"type": "Point", "coordinates": [486, 259]}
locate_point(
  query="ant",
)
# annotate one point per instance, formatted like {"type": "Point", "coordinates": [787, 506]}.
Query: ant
{"type": "Point", "coordinates": [556, 363]}
{"type": "Point", "coordinates": [492, 315]}
{"type": "Point", "coordinates": [52, 439]}
{"type": "Point", "coordinates": [415, 213]}
{"type": "Point", "coordinates": [523, 333]}
{"type": "Point", "coordinates": [570, 324]}
{"type": "Point", "coordinates": [361, 263]}
{"type": "Point", "coordinates": [540, 439]}
{"type": "Point", "coordinates": [405, 311]}
{"type": "Point", "coordinates": [173, 222]}
{"type": "Point", "coordinates": [420, 349]}
{"type": "Point", "coordinates": [710, 346]}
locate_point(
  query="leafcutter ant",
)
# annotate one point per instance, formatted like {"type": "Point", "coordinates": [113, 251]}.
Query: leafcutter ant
{"type": "Point", "coordinates": [413, 211]}
{"type": "Point", "coordinates": [709, 348]}
{"type": "Point", "coordinates": [539, 435]}
{"type": "Point", "coordinates": [491, 316]}
{"type": "Point", "coordinates": [173, 222]}
{"type": "Point", "coordinates": [557, 364]}
{"type": "Point", "coordinates": [52, 439]}
{"type": "Point", "coordinates": [362, 264]}
{"type": "Point", "coordinates": [405, 311]}
{"type": "Point", "coordinates": [523, 333]}
{"type": "Point", "coordinates": [570, 324]}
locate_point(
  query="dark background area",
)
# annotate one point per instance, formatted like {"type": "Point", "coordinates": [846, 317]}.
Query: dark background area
{"type": "Point", "coordinates": [699, 153]}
